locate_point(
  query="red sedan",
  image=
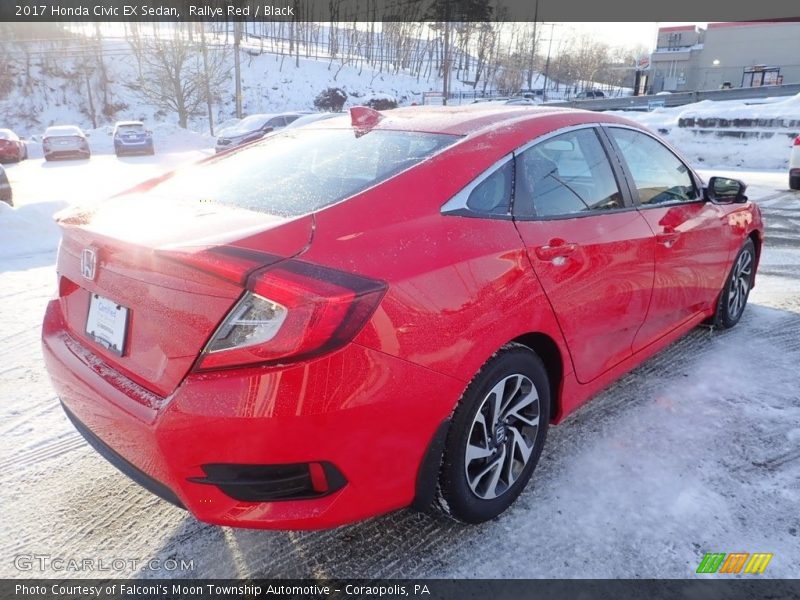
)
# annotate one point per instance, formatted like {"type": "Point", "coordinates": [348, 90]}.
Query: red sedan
{"type": "Point", "coordinates": [12, 149]}
{"type": "Point", "coordinates": [359, 316]}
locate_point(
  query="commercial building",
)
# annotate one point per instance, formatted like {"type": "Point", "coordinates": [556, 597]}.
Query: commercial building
{"type": "Point", "coordinates": [746, 54]}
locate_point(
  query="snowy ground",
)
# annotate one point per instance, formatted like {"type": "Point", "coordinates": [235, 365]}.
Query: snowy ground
{"type": "Point", "coordinates": [696, 451]}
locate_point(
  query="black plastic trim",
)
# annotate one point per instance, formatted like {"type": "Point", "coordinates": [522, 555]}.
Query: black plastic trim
{"type": "Point", "coordinates": [428, 474]}
{"type": "Point", "coordinates": [143, 479]}
{"type": "Point", "coordinates": [269, 483]}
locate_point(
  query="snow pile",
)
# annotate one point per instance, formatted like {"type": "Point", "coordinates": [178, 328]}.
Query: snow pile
{"type": "Point", "coordinates": [768, 147]}
{"type": "Point", "coordinates": [29, 229]}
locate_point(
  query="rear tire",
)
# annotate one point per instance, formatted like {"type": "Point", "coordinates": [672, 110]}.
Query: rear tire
{"type": "Point", "coordinates": [794, 182]}
{"type": "Point", "coordinates": [496, 437]}
{"type": "Point", "coordinates": [733, 297]}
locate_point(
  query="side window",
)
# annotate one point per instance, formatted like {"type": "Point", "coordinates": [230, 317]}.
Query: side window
{"type": "Point", "coordinates": [276, 122]}
{"type": "Point", "coordinates": [565, 175]}
{"type": "Point", "coordinates": [492, 195]}
{"type": "Point", "coordinates": [658, 175]}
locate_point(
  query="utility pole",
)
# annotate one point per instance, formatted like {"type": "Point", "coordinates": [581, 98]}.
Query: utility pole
{"type": "Point", "coordinates": [207, 75]}
{"type": "Point", "coordinates": [446, 65]}
{"type": "Point", "coordinates": [237, 38]}
{"type": "Point", "coordinates": [533, 46]}
{"type": "Point", "coordinates": [446, 56]}
{"type": "Point", "coordinates": [547, 63]}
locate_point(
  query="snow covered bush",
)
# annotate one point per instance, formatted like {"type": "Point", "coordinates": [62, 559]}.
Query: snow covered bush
{"type": "Point", "coordinates": [384, 102]}
{"type": "Point", "coordinates": [330, 99]}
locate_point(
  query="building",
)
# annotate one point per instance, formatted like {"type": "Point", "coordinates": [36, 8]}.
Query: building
{"type": "Point", "coordinates": [746, 54]}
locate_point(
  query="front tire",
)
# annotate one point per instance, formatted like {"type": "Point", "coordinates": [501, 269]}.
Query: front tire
{"type": "Point", "coordinates": [734, 295]}
{"type": "Point", "coordinates": [496, 437]}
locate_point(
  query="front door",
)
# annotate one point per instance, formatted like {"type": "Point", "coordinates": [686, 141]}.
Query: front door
{"type": "Point", "coordinates": [692, 252]}
{"type": "Point", "coordinates": [591, 250]}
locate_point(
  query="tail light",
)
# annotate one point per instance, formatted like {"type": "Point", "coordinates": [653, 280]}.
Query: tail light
{"type": "Point", "coordinates": [797, 141]}
{"type": "Point", "coordinates": [291, 311]}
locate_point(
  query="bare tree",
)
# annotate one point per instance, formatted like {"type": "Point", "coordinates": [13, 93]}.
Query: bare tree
{"type": "Point", "coordinates": [174, 77]}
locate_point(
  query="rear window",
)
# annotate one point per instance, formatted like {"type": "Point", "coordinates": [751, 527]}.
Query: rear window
{"type": "Point", "coordinates": [132, 128]}
{"type": "Point", "coordinates": [300, 171]}
{"type": "Point", "coordinates": [64, 130]}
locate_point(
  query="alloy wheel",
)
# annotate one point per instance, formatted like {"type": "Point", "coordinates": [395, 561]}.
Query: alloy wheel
{"type": "Point", "coordinates": [740, 284]}
{"type": "Point", "coordinates": [502, 436]}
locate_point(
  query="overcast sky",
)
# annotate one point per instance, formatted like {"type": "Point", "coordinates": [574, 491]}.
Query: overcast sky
{"type": "Point", "coordinates": [617, 34]}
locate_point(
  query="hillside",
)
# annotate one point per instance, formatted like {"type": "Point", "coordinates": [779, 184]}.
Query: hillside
{"type": "Point", "coordinates": [55, 91]}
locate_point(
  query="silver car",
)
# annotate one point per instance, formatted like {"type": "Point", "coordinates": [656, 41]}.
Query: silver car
{"type": "Point", "coordinates": [5, 188]}
{"type": "Point", "coordinates": [65, 140]}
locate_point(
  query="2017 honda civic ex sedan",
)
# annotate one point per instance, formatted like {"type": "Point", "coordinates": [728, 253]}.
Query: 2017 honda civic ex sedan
{"type": "Point", "coordinates": [369, 314]}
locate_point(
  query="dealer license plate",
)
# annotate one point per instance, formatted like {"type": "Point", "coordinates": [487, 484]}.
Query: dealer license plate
{"type": "Point", "coordinates": [107, 323]}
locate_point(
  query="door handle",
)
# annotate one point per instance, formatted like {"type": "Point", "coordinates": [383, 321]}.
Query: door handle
{"type": "Point", "coordinates": [668, 237]}
{"type": "Point", "coordinates": [555, 250]}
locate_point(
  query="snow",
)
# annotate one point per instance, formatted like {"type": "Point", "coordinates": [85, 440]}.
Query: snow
{"type": "Point", "coordinates": [28, 229]}
{"type": "Point", "coordinates": [712, 150]}
{"type": "Point", "coordinates": [695, 451]}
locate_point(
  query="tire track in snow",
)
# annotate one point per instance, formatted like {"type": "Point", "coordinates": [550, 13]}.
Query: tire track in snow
{"type": "Point", "coordinates": [48, 450]}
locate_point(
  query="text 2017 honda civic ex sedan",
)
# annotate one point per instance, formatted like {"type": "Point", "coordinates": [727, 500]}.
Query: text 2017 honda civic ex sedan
{"type": "Point", "coordinates": [385, 311]}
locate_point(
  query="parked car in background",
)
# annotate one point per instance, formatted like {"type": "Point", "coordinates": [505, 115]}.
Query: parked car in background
{"type": "Point", "coordinates": [131, 137]}
{"type": "Point", "coordinates": [589, 95]}
{"type": "Point", "coordinates": [5, 188]}
{"type": "Point", "coordinates": [344, 320]}
{"type": "Point", "coordinates": [304, 120]}
{"type": "Point", "coordinates": [794, 165]}
{"type": "Point", "coordinates": [12, 149]}
{"type": "Point", "coordinates": [62, 141]}
{"type": "Point", "coordinates": [253, 128]}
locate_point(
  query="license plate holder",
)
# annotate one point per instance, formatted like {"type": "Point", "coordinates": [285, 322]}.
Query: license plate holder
{"type": "Point", "coordinates": [107, 323]}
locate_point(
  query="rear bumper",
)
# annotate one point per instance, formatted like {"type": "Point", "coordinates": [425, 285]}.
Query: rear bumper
{"type": "Point", "coordinates": [107, 452]}
{"type": "Point", "coordinates": [121, 147]}
{"type": "Point", "coordinates": [61, 152]}
{"type": "Point", "coordinates": [369, 415]}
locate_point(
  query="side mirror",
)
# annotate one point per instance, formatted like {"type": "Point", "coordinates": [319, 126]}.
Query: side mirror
{"type": "Point", "coordinates": [726, 190]}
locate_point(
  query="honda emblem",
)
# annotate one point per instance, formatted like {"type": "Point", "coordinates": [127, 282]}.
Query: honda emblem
{"type": "Point", "coordinates": [88, 263]}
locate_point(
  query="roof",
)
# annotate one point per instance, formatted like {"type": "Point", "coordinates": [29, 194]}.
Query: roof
{"type": "Point", "coordinates": [62, 128]}
{"type": "Point", "coordinates": [459, 120]}
{"type": "Point", "coordinates": [748, 24]}
{"type": "Point", "coordinates": [677, 28]}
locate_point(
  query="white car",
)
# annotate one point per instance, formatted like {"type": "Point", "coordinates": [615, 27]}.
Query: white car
{"type": "Point", "coordinates": [794, 165]}
{"type": "Point", "coordinates": [65, 140]}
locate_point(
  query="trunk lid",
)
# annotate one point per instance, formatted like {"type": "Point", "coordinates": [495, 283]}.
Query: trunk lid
{"type": "Point", "coordinates": [146, 256]}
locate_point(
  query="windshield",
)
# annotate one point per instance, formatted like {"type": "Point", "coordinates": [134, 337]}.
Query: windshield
{"type": "Point", "coordinates": [251, 123]}
{"type": "Point", "coordinates": [300, 171]}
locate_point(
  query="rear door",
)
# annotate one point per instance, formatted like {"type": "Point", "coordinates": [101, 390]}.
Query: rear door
{"type": "Point", "coordinates": [693, 239]}
{"type": "Point", "coordinates": [590, 248]}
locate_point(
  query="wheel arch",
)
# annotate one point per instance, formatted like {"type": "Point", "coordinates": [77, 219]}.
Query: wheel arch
{"type": "Point", "coordinates": [755, 236]}
{"type": "Point", "coordinates": [551, 356]}
{"type": "Point", "coordinates": [548, 351]}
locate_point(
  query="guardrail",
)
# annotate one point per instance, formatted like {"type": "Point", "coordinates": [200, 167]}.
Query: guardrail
{"type": "Point", "coordinates": [681, 98]}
